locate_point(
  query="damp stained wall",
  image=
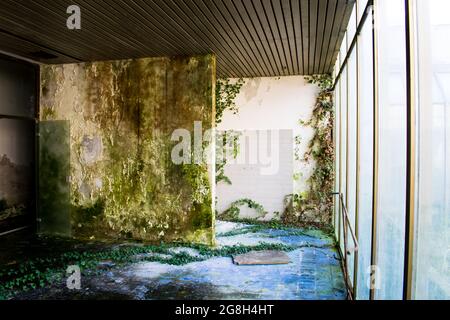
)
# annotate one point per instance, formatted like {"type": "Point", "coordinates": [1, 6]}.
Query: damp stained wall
{"type": "Point", "coordinates": [119, 117]}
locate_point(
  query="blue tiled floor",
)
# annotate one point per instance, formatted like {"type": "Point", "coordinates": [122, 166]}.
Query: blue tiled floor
{"type": "Point", "coordinates": [313, 274]}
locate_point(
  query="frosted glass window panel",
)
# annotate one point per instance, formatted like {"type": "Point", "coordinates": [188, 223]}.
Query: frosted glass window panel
{"type": "Point", "coordinates": [337, 101]}
{"type": "Point", "coordinates": [431, 278]}
{"type": "Point", "coordinates": [365, 190]}
{"type": "Point", "coordinates": [391, 198]}
{"type": "Point", "coordinates": [351, 149]}
{"type": "Point", "coordinates": [361, 6]}
{"type": "Point", "coordinates": [336, 67]}
{"type": "Point", "coordinates": [351, 29]}
{"type": "Point", "coordinates": [343, 50]}
{"type": "Point", "coordinates": [343, 146]}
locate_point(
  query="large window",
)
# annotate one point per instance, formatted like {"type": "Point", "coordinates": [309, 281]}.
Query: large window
{"type": "Point", "coordinates": [343, 146]}
{"type": "Point", "coordinates": [365, 185]}
{"type": "Point", "coordinates": [392, 125]}
{"type": "Point", "coordinates": [337, 143]}
{"type": "Point", "coordinates": [352, 150]}
{"type": "Point", "coordinates": [432, 251]}
{"type": "Point", "coordinates": [394, 148]}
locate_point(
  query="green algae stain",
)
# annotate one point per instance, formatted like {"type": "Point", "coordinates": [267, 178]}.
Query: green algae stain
{"type": "Point", "coordinates": [122, 113]}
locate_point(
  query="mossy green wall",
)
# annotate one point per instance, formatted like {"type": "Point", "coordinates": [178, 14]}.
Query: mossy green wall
{"type": "Point", "coordinates": [122, 113]}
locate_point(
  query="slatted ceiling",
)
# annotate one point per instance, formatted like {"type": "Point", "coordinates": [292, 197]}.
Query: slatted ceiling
{"type": "Point", "coordinates": [328, 29]}
{"type": "Point", "coordinates": [264, 49]}
{"type": "Point", "coordinates": [294, 10]}
{"type": "Point", "coordinates": [335, 35]}
{"type": "Point", "coordinates": [276, 36]}
{"type": "Point", "coordinates": [250, 37]}
{"type": "Point", "coordinates": [340, 23]}
{"type": "Point", "coordinates": [246, 33]}
{"type": "Point", "coordinates": [291, 34]}
{"type": "Point", "coordinates": [280, 20]}
{"type": "Point", "coordinates": [182, 30]}
{"type": "Point", "coordinates": [24, 48]}
{"type": "Point", "coordinates": [236, 37]}
{"type": "Point", "coordinates": [304, 24]}
{"type": "Point", "coordinates": [322, 9]}
{"type": "Point", "coordinates": [268, 42]}
{"type": "Point", "coordinates": [200, 34]}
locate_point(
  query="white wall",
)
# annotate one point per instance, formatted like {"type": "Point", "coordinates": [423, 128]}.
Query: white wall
{"type": "Point", "coordinates": [270, 104]}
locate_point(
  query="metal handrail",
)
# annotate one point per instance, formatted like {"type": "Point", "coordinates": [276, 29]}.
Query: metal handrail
{"type": "Point", "coordinates": [347, 225]}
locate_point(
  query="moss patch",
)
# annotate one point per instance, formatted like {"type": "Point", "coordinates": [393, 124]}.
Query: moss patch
{"type": "Point", "coordinates": [123, 183]}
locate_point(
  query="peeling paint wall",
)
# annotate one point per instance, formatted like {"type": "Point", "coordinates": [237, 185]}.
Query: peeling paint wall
{"type": "Point", "coordinates": [121, 115]}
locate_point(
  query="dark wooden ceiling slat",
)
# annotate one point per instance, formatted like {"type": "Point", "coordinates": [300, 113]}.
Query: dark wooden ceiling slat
{"type": "Point", "coordinates": [218, 39]}
{"type": "Point", "coordinates": [156, 28]}
{"type": "Point", "coordinates": [273, 35]}
{"type": "Point", "coordinates": [23, 48]}
{"type": "Point", "coordinates": [281, 9]}
{"type": "Point", "coordinates": [173, 13]}
{"type": "Point", "coordinates": [313, 20]}
{"type": "Point", "coordinates": [297, 25]}
{"type": "Point", "coordinates": [110, 27]}
{"type": "Point", "coordinates": [193, 20]}
{"type": "Point", "coordinates": [341, 21]}
{"type": "Point", "coordinates": [268, 46]}
{"type": "Point", "coordinates": [282, 49]}
{"type": "Point", "coordinates": [304, 14]}
{"type": "Point", "coordinates": [320, 35]}
{"type": "Point", "coordinates": [14, 18]}
{"type": "Point", "coordinates": [236, 9]}
{"type": "Point", "coordinates": [251, 38]}
{"type": "Point", "coordinates": [339, 14]}
{"type": "Point", "coordinates": [328, 32]}
{"type": "Point", "coordinates": [257, 36]}
{"type": "Point", "coordinates": [241, 40]}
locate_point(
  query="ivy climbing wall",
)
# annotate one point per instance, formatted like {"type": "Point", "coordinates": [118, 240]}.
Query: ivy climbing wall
{"type": "Point", "coordinates": [120, 117]}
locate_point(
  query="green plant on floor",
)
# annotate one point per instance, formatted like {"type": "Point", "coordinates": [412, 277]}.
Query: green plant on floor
{"type": "Point", "coordinates": [43, 272]}
{"type": "Point", "coordinates": [232, 213]}
{"type": "Point", "coordinates": [315, 205]}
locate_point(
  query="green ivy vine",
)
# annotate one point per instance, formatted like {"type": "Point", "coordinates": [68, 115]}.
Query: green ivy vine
{"type": "Point", "coordinates": [226, 93]}
{"type": "Point", "coordinates": [232, 213]}
{"type": "Point", "coordinates": [227, 144]}
{"type": "Point", "coordinates": [315, 206]}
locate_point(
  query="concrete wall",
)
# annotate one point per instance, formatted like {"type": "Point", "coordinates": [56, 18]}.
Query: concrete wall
{"type": "Point", "coordinates": [112, 122]}
{"type": "Point", "coordinates": [267, 105]}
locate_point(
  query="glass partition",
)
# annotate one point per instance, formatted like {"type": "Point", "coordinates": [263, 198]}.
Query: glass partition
{"type": "Point", "coordinates": [391, 198]}
{"type": "Point", "coordinates": [352, 152]}
{"type": "Point", "coordinates": [365, 172]}
{"type": "Point", "coordinates": [337, 143]}
{"type": "Point", "coordinates": [431, 265]}
{"type": "Point", "coordinates": [343, 146]}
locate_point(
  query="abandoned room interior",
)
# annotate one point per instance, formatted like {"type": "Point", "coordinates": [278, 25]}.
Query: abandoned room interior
{"type": "Point", "coordinates": [225, 149]}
